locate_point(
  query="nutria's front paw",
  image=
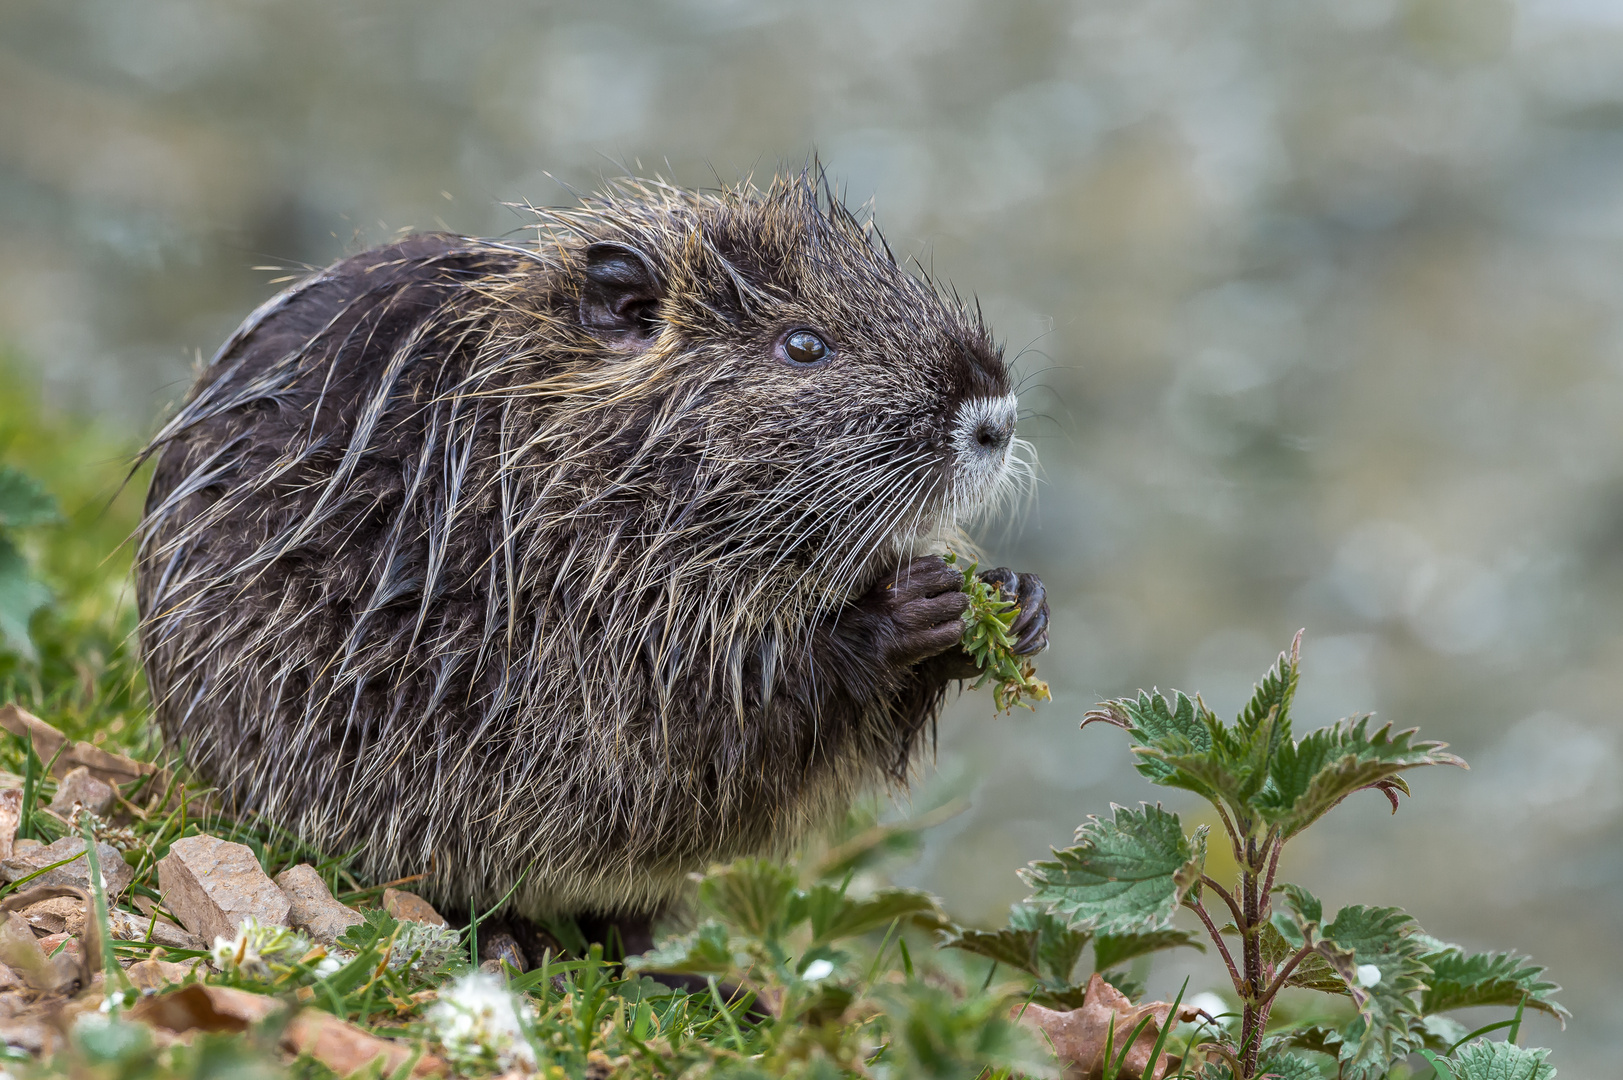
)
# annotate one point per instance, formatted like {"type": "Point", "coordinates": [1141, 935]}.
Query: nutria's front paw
{"type": "Point", "coordinates": [915, 612]}
{"type": "Point", "coordinates": [1030, 629]}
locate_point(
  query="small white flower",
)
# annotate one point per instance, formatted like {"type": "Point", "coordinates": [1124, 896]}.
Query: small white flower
{"type": "Point", "coordinates": [328, 966]}
{"type": "Point", "coordinates": [481, 1024]}
{"type": "Point", "coordinates": [238, 953]}
{"type": "Point", "coordinates": [1368, 975]}
{"type": "Point", "coordinates": [817, 970]}
{"type": "Point", "coordinates": [253, 945]}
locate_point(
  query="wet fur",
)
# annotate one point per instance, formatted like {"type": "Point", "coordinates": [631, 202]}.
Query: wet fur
{"type": "Point", "coordinates": [432, 570]}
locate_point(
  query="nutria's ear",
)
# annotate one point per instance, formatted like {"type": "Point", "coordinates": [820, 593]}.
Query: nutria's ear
{"type": "Point", "coordinates": [621, 290]}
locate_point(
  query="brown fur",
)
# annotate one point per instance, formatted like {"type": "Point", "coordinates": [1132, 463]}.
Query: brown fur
{"type": "Point", "coordinates": [451, 560]}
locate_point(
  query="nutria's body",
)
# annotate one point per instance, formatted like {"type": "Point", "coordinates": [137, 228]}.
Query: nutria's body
{"type": "Point", "coordinates": [578, 555]}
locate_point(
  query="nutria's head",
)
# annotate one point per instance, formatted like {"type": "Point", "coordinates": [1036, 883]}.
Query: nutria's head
{"type": "Point", "coordinates": [836, 402]}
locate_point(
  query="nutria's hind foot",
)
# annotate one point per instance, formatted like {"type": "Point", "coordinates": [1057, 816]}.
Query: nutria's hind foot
{"type": "Point", "coordinates": [523, 944]}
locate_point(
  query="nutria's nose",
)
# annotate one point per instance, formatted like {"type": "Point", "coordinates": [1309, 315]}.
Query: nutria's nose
{"type": "Point", "coordinates": [984, 428]}
{"type": "Point", "coordinates": [994, 435]}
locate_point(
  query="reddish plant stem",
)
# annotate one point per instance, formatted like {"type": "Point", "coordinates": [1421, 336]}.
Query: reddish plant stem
{"type": "Point", "coordinates": [1211, 928]}
{"type": "Point", "coordinates": [1239, 916]}
{"type": "Point", "coordinates": [1284, 973]}
{"type": "Point", "coordinates": [1278, 845]}
{"type": "Point", "coordinates": [1234, 834]}
{"type": "Point", "coordinates": [1251, 951]}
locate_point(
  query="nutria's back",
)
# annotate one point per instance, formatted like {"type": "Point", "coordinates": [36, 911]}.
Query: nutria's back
{"type": "Point", "coordinates": [593, 555]}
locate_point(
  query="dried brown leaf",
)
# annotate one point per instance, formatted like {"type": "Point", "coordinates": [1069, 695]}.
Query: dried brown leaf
{"type": "Point", "coordinates": [1078, 1036]}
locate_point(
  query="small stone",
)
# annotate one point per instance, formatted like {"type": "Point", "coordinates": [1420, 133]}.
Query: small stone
{"type": "Point", "coordinates": [27, 844]}
{"type": "Point", "coordinates": [60, 944]}
{"type": "Point", "coordinates": [503, 948]}
{"type": "Point", "coordinates": [23, 953]}
{"type": "Point", "coordinates": [212, 885]}
{"type": "Point", "coordinates": [312, 907]}
{"type": "Point", "coordinates": [409, 907]}
{"type": "Point", "coordinates": [64, 914]}
{"type": "Point", "coordinates": [116, 874]}
{"type": "Point", "coordinates": [33, 1034]}
{"type": "Point", "coordinates": [156, 974]}
{"type": "Point", "coordinates": [143, 928]}
{"type": "Point", "coordinates": [11, 812]}
{"type": "Point", "coordinates": [346, 1049]}
{"type": "Point", "coordinates": [80, 788]}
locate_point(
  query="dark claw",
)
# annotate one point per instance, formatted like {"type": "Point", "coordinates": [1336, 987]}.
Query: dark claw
{"type": "Point", "coordinates": [1030, 627]}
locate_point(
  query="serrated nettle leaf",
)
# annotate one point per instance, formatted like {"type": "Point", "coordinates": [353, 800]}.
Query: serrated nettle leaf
{"type": "Point", "coordinates": [1308, 909]}
{"type": "Point", "coordinates": [1036, 942]}
{"type": "Point", "coordinates": [752, 894]}
{"type": "Point", "coordinates": [1286, 1066]}
{"type": "Point", "coordinates": [1315, 973]}
{"type": "Point", "coordinates": [1271, 698]}
{"type": "Point", "coordinates": [1319, 1038]}
{"type": "Point", "coordinates": [706, 951]}
{"type": "Point", "coordinates": [20, 596]}
{"type": "Point", "coordinates": [1440, 1033]}
{"type": "Point", "coordinates": [1058, 944]}
{"type": "Point", "coordinates": [1113, 950]}
{"type": "Point", "coordinates": [1460, 981]}
{"type": "Point", "coordinates": [24, 502]}
{"type": "Point", "coordinates": [1483, 1060]}
{"type": "Point", "coordinates": [1307, 778]}
{"type": "Point", "coordinates": [1281, 938]}
{"type": "Point", "coordinates": [1369, 1048]}
{"type": "Point", "coordinates": [853, 917]}
{"type": "Point", "coordinates": [1166, 730]}
{"type": "Point", "coordinates": [1124, 875]}
{"type": "Point", "coordinates": [1374, 951]}
{"type": "Point", "coordinates": [1264, 724]}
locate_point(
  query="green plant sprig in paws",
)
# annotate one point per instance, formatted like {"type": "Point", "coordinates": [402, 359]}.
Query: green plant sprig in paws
{"type": "Point", "coordinates": [990, 644]}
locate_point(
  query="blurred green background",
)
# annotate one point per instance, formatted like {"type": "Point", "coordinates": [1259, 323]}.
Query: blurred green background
{"type": "Point", "coordinates": [1317, 307]}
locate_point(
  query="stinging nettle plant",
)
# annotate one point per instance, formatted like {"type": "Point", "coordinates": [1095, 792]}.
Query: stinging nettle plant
{"type": "Point", "coordinates": [1125, 879]}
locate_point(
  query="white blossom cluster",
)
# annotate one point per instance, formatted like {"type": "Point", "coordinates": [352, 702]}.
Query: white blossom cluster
{"type": "Point", "coordinates": [481, 1024]}
{"type": "Point", "coordinates": [254, 946]}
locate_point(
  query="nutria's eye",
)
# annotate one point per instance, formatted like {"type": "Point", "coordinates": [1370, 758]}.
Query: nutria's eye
{"type": "Point", "coordinates": [805, 348]}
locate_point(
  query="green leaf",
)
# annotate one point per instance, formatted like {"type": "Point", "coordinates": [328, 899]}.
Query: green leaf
{"type": "Point", "coordinates": [1264, 724]}
{"type": "Point", "coordinates": [935, 1033]}
{"type": "Point", "coordinates": [1123, 876]}
{"type": "Point", "coordinates": [1307, 907]}
{"type": "Point", "coordinates": [1306, 779]}
{"type": "Point", "coordinates": [1271, 698]}
{"type": "Point", "coordinates": [850, 918]}
{"type": "Point", "coordinates": [1483, 1060]}
{"type": "Point", "coordinates": [752, 894]}
{"type": "Point", "coordinates": [1312, 972]}
{"type": "Point", "coordinates": [24, 500]}
{"type": "Point", "coordinates": [1460, 981]}
{"type": "Point", "coordinates": [1036, 941]}
{"type": "Point", "coordinates": [1161, 728]}
{"type": "Point", "coordinates": [1284, 1066]}
{"type": "Point", "coordinates": [706, 951]}
{"type": "Point", "coordinates": [1319, 1038]}
{"type": "Point", "coordinates": [1440, 1033]}
{"type": "Point", "coordinates": [20, 597]}
{"type": "Point", "coordinates": [1113, 950]}
{"type": "Point", "coordinates": [1381, 938]}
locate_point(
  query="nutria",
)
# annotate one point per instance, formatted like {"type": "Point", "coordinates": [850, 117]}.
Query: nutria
{"type": "Point", "coordinates": [602, 555]}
